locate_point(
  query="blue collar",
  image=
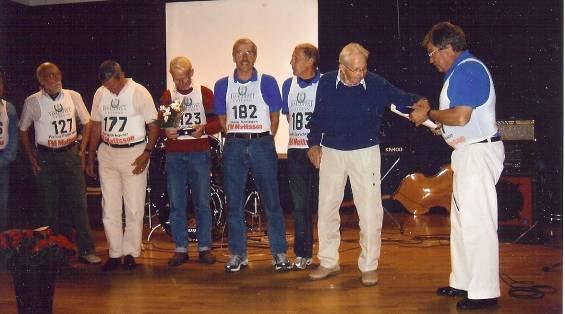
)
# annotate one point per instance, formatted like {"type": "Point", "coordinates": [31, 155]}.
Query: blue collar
{"type": "Point", "coordinates": [464, 55]}
{"type": "Point", "coordinates": [302, 83]}
{"type": "Point", "coordinates": [237, 80]}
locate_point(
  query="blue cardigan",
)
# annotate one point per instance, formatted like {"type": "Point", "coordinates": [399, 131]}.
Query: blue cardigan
{"type": "Point", "coordinates": [350, 117]}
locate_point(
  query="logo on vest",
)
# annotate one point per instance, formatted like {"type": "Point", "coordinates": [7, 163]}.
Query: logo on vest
{"type": "Point", "coordinates": [115, 103]}
{"type": "Point", "coordinates": [58, 107]}
{"type": "Point", "coordinates": [300, 97]}
{"type": "Point", "coordinates": [186, 102]}
{"type": "Point", "coordinates": [242, 90]}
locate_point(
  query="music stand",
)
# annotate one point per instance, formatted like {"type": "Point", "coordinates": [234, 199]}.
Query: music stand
{"type": "Point", "coordinates": [396, 222]}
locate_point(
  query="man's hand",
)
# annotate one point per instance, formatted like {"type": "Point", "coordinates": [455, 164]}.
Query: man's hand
{"type": "Point", "coordinates": [140, 163]}
{"type": "Point", "coordinates": [315, 155]}
{"type": "Point", "coordinates": [198, 131]}
{"type": "Point", "coordinates": [35, 168]}
{"type": "Point", "coordinates": [420, 112]}
{"type": "Point", "coordinates": [172, 133]}
{"type": "Point", "coordinates": [89, 167]}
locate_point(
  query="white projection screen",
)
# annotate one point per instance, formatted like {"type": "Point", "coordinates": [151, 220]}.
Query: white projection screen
{"type": "Point", "coordinates": [204, 31]}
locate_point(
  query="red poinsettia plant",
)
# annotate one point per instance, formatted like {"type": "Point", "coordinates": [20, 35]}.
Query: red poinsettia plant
{"type": "Point", "coordinates": [34, 247]}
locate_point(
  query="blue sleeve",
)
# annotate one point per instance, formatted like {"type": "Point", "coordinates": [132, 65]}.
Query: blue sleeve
{"type": "Point", "coordinates": [220, 91]}
{"type": "Point", "coordinates": [318, 116]}
{"type": "Point", "coordinates": [271, 93]}
{"type": "Point", "coordinates": [395, 95]}
{"type": "Point", "coordinates": [9, 153]}
{"type": "Point", "coordinates": [285, 91]}
{"type": "Point", "coordinates": [469, 85]}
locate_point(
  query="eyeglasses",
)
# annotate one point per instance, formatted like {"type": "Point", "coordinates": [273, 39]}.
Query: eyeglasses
{"type": "Point", "coordinates": [184, 80]}
{"type": "Point", "coordinates": [247, 53]}
{"type": "Point", "coordinates": [359, 70]}
{"type": "Point", "coordinates": [432, 53]}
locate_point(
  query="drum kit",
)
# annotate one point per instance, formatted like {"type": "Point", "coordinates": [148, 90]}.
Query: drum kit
{"type": "Point", "coordinates": [157, 200]}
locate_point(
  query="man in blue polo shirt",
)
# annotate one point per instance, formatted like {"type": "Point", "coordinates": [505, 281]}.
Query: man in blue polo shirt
{"type": "Point", "coordinates": [299, 96]}
{"type": "Point", "coordinates": [248, 103]}
{"type": "Point", "coordinates": [344, 142]}
{"type": "Point", "coordinates": [8, 150]}
{"type": "Point", "coordinates": [467, 113]}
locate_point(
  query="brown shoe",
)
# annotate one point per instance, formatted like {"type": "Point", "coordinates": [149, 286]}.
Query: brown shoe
{"type": "Point", "coordinates": [322, 272]}
{"type": "Point", "coordinates": [206, 257]}
{"type": "Point", "coordinates": [178, 259]}
{"type": "Point", "coordinates": [369, 278]}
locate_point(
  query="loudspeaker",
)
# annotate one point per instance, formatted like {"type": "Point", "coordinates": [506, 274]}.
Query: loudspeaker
{"type": "Point", "coordinates": [515, 201]}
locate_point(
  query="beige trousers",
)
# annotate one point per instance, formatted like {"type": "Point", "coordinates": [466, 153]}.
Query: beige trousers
{"type": "Point", "coordinates": [362, 166]}
{"type": "Point", "coordinates": [120, 186]}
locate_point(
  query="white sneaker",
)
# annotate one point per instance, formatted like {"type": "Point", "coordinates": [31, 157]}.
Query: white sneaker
{"type": "Point", "coordinates": [301, 263]}
{"type": "Point", "coordinates": [90, 259]}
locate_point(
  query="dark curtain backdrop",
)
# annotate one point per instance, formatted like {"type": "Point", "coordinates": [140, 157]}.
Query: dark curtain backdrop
{"type": "Point", "coordinates": [520, 41]}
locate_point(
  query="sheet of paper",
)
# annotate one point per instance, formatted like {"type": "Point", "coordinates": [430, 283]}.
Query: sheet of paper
{"type": "Point", "coordinates": [430, 124]}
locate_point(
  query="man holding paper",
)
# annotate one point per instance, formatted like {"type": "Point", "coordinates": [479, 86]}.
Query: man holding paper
{"type": "Point", "coordinates": [467, 114]}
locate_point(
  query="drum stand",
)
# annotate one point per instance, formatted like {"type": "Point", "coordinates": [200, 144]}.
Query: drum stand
{"type": "Point", "coordinates": [394, 220]}
{"type": "Point", "coordinates": [150, 214]}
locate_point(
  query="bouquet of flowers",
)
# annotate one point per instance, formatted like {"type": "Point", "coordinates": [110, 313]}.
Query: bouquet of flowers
{"type": "Point", "coordinates": [34, 247]}
{"type": "Point", "coordinates": [169, 116]}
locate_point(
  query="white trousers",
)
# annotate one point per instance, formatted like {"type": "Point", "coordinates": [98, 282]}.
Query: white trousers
{"type": "Point", "coordinates": [362, 166]}
{"type": "Point", "coordinates": [120, 186]}
{"type": "Point", "coordinates": [474, 219]}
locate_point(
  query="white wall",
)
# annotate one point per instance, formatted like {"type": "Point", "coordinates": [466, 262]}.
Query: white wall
{"type": "Point", "coordinates": [205, 31]}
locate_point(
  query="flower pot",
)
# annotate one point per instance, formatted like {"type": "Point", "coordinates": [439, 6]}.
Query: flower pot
{"type": "Point", "coordinates": [34, 286]}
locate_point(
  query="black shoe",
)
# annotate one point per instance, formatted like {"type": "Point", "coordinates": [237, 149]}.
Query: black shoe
{"type": "Point", "coordinates": [475, 304]}
{"type": "Point", "coordinates": [451, 292]}
{"type": "Point", "coordinates": [178, 259]}
{"type": "Point", "coordinates": [112, 264]}
{"type": "Point", "coordinates": [129, 262]}
{"type": "Point", "coordinates": [206, 257]}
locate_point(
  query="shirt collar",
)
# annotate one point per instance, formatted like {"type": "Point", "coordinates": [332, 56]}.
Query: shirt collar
{"type": "Point", "coordinates": [302, 83]}
{"type": "Point", "coordinates": [237, 80]}
{"type": "Point", "coordinates": [338, 80]}
{"type": "Point", "coordinates": [465, 54]}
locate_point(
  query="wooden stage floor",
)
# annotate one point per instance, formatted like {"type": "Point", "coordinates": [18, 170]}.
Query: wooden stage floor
{"type": "Point", "coordinates": [410, 270]}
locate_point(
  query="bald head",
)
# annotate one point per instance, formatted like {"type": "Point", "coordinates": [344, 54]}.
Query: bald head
{"type": "Point", "coordinates": [49, 77]}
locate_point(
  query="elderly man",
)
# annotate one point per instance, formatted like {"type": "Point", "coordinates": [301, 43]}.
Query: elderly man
{"type": "Point", "coordinates": [248, 104]}
{"type": "Point", "coordinates": [56, 161]}
{"type": "Point", "coordinates": [8, 150]}
{"type": "Point", "coordinates": [188, 161]}
{"type": "Point", "coordinates": [344, 142]}
{"type": "Point", "coordinates": [121, 110]}
{"type": "Point", "coordinates": [299, 95]}
{"type": "Point", "coordinates": [467, 115]}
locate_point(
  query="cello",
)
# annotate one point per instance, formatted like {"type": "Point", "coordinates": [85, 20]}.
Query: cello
{"type": "Point", "coordinates": [418, 193]}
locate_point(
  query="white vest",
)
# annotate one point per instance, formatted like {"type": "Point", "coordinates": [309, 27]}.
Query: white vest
{"type": "Point", "coordinates": [194, 113]}
{"type": "Point", "coordinates": [246, 111]}
{"type": "Point", "coordinates": [482, 124]}
{"type": "Point", "coordinates": [121, 123]}
{"type": "Point", "coordinates": [4, 124]}
{"type": "Point", "coordinates": [301, 102]}
{"type": "Point", "coordinates": [56, 126]}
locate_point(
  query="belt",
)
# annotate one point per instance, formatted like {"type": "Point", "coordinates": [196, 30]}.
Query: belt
{"type": "Point", "coordinates": [55, 150]}
{"type": "Point", "coordinates": [248, 136]}
{"type": "Point", "coordinates": [490, 140]}
{"type": "Point", "coordinates": [185, 132]}
{"type": "Point", "coordinates": [123, 145]}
